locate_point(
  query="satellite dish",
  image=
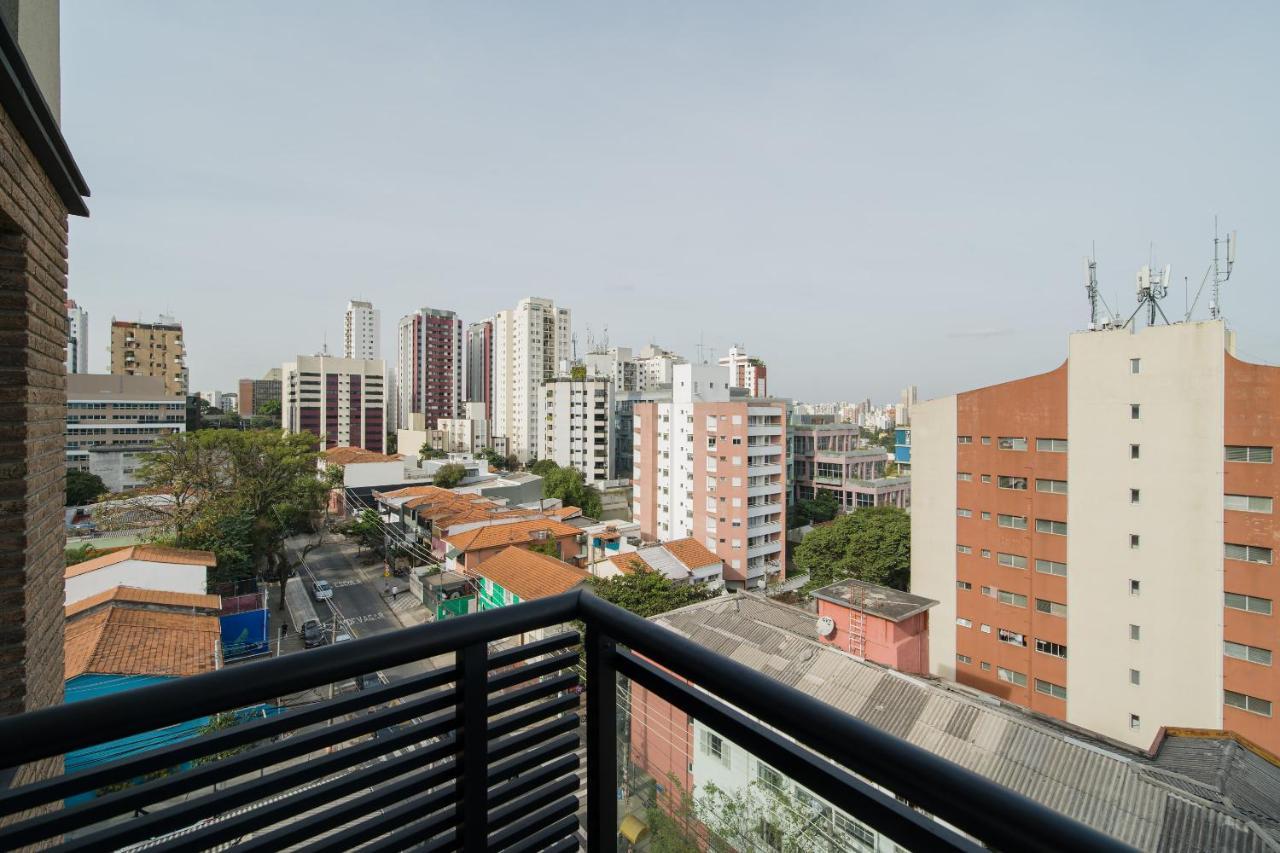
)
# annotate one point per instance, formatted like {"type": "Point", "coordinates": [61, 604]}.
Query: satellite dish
{"type": "Point", "coordinates": [826, 627]}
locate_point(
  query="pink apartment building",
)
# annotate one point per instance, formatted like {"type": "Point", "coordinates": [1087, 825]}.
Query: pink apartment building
{"type": "Point", "coordinates": [710, 464]}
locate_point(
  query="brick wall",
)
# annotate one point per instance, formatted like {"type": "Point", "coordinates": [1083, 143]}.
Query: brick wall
{"type": "Point", "coordinates": [33, 340]}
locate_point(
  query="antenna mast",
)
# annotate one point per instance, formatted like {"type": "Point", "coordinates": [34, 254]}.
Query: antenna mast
{"type": "Point", "coordinates": [1153, 285]}
{"type": "Point", "coordinates": [1095, 296]}
{"type": "Point", "coordinates": [1221, 268]}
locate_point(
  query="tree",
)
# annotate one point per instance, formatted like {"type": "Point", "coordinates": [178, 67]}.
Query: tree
{"type": "Point", "coordinates": [448, 476]}
{"type": "Point", "coordinates": [393, 441]}
{"type": "Point", "coordinates": [647, 593]}
{"type": "Point", "coordinates": [366, 529]}
{"type": "Point", "coordinates": [569, 485]}
{"type": "Point", "coordinates": [84, 488]}
{"type": "Point", "coordinates": [543, 467]}
{"type": "Point", "coordinates": [270, 409]}
{"type": "Point", "coordinates": [871, 544]}
{"type": "Point", "coordinates": [429, 452]}
{"type": "Point", "coordinates": [823, 507]}
{"type": "Point", "coordinates": [550, 547]}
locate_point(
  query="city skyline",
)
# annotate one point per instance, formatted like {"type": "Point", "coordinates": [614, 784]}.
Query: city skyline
{"type": "Point", "coordinates": [881, 178]}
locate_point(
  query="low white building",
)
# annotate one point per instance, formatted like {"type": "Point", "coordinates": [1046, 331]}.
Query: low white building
{"type": "Point", "coordinates": [467, 434]}
{"type": "Point", "coordinates": [142, 567]}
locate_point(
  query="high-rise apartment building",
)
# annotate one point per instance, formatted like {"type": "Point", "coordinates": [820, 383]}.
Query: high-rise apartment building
{"type": "Point", "coordinates": [574, 428]}
{"type": "Point", "coordinates": [362, 331]}
{"type": "Point", "coordinates": [709, 463]}
{"type": "Point", "coordinates": [529, 341]}
{"type": "Point", "coordinates": [745, 371]}
{"type": "Point", "coordinates": [343, 400]}
{"type": "Point", "coordinates": [1103, 535]}
{"type": "Point", "coordinates": [429, 365]}
{"type": "Point", "coordinates": [255, 392]}
{"type": "Point", "coordinates": [479, 377]}
{"type": "Point", "coordinates": [825, 457]}
{"type": "Point", "coordinates": [646, 370]}
{"type": "Point", "coordinates": [113, 420]}
{"type": "Point", "coordinates": [151, 349]}
{"type": "Point", "coordinates": [77, 338]}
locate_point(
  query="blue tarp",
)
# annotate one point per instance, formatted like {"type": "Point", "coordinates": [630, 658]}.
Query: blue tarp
{"type": "Point", "coordinates": [244, 634]}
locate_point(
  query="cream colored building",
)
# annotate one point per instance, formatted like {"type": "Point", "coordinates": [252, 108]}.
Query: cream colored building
{"type": "Point", "coordinates": [529, 342]}
{"type": "Point", "coordinates": [151, 349]}
{"type": "Point", "coordinates": [574, 428]}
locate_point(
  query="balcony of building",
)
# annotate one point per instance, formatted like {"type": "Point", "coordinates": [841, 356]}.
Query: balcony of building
{"type": "Point", "coordinates": [490, 742]}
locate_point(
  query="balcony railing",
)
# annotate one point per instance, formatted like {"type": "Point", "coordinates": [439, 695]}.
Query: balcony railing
{"type": "Point", "coordinates": [477, 751]}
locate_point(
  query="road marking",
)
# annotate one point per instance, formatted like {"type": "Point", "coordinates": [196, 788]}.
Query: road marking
{"type": "Point", "coordinates": [368, 617]}
{"type": "Point", "coordinates": [342, 584]}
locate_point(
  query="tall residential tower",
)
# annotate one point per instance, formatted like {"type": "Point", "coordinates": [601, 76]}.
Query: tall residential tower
{"type": "Point", "coordinates": [150, 349]}
{"type": "Point", "coordinates": [529, 341]}
{"type": "Point", "coordinates": [429, 361]}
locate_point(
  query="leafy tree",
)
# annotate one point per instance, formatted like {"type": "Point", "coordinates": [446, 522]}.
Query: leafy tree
{"type": "Point", "coordinates": [871, 544]}
{"type": "Point", "coordinates": [550, 547]}
{"type": "Point", "coordinates": [448, 476]}
{"type": "Point", "coordinates": [543, 467]}
{"type": "Point", "coordinates": [393, 441]}
{"type": "Point", "coordinates": [366, 529]}
{"type": "Point", "coordinates": [429, 452]}
{"type": "Point", "coordinates": [824, 506]}
{"type": "Point", "coordinates": [648, 593]}
{"type": "Point", "coordinates": [82, 553]}
{"type": "Point", "coordinates": [569, 485]}
{"type": "Point", "coordinates": [269, 408]}
{"type": "Point", "coordinates": [510, 462]}
{"type": "Point", "coordinates": [84, 488]}
{"type": "Point", "coordinates": [578, 372]}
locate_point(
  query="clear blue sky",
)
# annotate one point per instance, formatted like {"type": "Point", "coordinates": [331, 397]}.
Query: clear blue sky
{"type": "Point", "coordinates": [865, 195]}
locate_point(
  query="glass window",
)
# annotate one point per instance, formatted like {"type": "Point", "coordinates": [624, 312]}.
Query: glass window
{"type": "Point", "coordinates": [1014, 561]}
{"type": "Point", "coordinates": [1047, 647]}
{"type": "Point", "coordinates": [1135, 587]}
{"type": "Point", "coordinates": [1135, 632]}
{"type": "Point", "coordinates": [1057, 528]}
{"type": "Point", "coordinates": [1012, 598]}
{"type": "Point", "coordinates": [986, 667]}
{"type": "Point", "coordinates": [964, 476]}
{"type": "Point", "coordinates": [1006, 442]}
{"type": "Point", "coordinates": [964, 623]}
{"type": "Point", "coordinates": [1135, 722]}
{"type": "Point", "coordinates": [1050, 689]}
{"type": "Point", "coordinates": [1135, 496]}
{"type": "Point", "coordinates": [1252, 704]}
{"type": "Point", "coordinates": [964, 439]}
{"type": "Point", "coordinates": [1011, 676]}
{"type": "Point", "coordinates": [1013, 638]}
{"type": "Point", "coordinates": [1253, 654]}
{"type": "Point", "coordinates": [1135, 540]}
{"type": "Point", "coordinates": [1051, 445]}
{"type": "Point", "coordinates": [1250, 453]}
{"type": "Point", "coordinates": [1053, 487]}
{"type": "Point", "coordinates": [857, 831]}
{"type": "Point", "coordinates": [770, 777]}
{"type": "Point", "coordinates": [1135, 365]}
{"type": "Point", "coordinates": [1135, 677]}
{"type": "Point", "coordinates": [1053, 608]}
{"type": "Point", "coordinates": [963, 658]}
{"type": "Point", "coordinates": [988, 591]}
{"type": "Point", "coordinates": [1135, 451]}
{"type": "Point", "coordinates": [1049, 567]}
{"type": "Point", "coordinates": [1135, 411]}
{"type": "Point", "coordinates": [964, 513]}
{"type": "Point", "coordinates": [963, 585]}
{"type": "Point", "coordinates": [1246, 503]}
{"type": "Point", "coordinates": [1248, 553]}
{"type": "Point", "coordinates": [986, 478]}
{"type": "Point", "coordinates": [714, 746]}
{"type": "Point", "coordinates": [1017, 522]}
{"type": "Point", "coordinates": [986, 516]}
{"type": "Point", "coordinates": [1015, 483]}
{"type": "Point", "coordinates": [964, 549]}
{"type": "Point", "coordinates": [1250, 603]}
{"type": "Point", "coordinates": [986, 439]}
{"type": "Point", "coordinates": [986, 553]}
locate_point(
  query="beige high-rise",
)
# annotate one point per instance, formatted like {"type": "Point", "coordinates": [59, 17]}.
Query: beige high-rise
{"type": "Point", "coordinates": [151, 349]}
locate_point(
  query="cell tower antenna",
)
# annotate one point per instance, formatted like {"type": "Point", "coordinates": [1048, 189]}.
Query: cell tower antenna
{"type": "Point", "coordinates": [1153, 285]}
{"type": "Point", "coordinates": [1224, 258]}
{"type": "Point", "coordinates": [604, 346]}
{"type": "Point", "coordinates": [1095, 295]}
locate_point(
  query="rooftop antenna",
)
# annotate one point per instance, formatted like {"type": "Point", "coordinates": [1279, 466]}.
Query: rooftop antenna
{"type": "Point", "coordinates": [1224, 258]}
{"type": "Point", "coordinates": [1153, 285]}
{"type": "Point", "coordinates": [1095, 296]}
{"type": "Point", "coordinates": [604, 346]}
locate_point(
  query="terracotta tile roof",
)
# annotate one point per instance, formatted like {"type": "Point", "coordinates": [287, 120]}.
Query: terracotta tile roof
{"type": "Point", "coordinates": [348, 455]}
{"type": "Point", "coordinates": [122, 641]}
{"type": "Point", "coordinates": [564, 512]}
{"type": "Point", "coordinates": [137, 595]}
{"type": "Point", "coordinates": [511, 533]}
{"type": "Point", "coordinates": [691, 552]}
{"type": "Point", "coordinates": [630, 563]}
{"type": "Point", "coordinates": [530, 575]}
{"type": "Point", "coordinates": [154, 553]}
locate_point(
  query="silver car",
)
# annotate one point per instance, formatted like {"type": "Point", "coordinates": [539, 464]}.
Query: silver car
{"type": "Point", "coordinates": [323, 590]}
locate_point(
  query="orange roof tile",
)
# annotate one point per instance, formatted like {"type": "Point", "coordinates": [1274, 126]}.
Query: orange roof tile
{"type": "Point", "coordinates": [691, 552]}
{"type": "Point", "coordinates": [137, 595]}
{"type": "Point", "coordinates": [510, 533]}
{"type": "Point", "coordinates": [122, 641]}
{"type": "Point", "coordinates": [153, 553]}
{"type": "Point", "coordinates": [349, 455]}
{"type": "Point", "coordinates": [530, 575]}
{"type": "Point", "coordinates": [630, 563]}
{"type": "Point", "coordinates": [564, 512]}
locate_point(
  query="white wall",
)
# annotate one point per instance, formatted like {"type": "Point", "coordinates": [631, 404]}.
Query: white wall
{"type": "Point", "coordinates": [1179, 519]}
{"type": "Point", "coordinates": [144, 574]}
{"type": "Point", "coordinates": [933, 525]}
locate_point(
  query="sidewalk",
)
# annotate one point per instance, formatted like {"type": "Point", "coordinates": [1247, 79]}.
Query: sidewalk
{"type": "Point", "coordinates": [406, 609]}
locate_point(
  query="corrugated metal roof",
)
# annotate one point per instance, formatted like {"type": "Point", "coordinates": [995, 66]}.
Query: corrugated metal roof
{"type": "Point", "coordinates": [1195, 794]}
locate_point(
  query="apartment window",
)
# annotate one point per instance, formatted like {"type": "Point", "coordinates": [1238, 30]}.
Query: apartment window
{"type": "Point", "coordinates": [963, 658]}
{"type": "Point", "coordinates": [1253, 654]}
{"type": "Point", "coordinates": [986, 553]}
{"type": "Point", "coordinates": [1046, 647]}
{"type": "Point", "coordinates": [1053, 608]}
{"type": "Point", "coordinates": [988, 591]}
{"type": "Point", "coordinates": [1052, 487]}
{"type": "Point", "coordinates": [1248, 553]}
{"type": "Point", "coordinates": [1135, 365]}
{"type": "Point", "coordinates": [1135, 587]}
{"type": "Point", "coordinates": [986, 439]}
{"type": "Point", "coordinates": [1135, 632]}
{"type": "Point", "coordinates": [1135, 722]}
{"type": "Point", "coordinates": [1135, 677]}
{"type": "Point", "coordinates": [770, 777]}
{"type": "Point", "coordinates": [1057, 528]}
{"type": "Point", "coordinates": [1135, 496]}
{"type": "Point", "coordinates": [1249, 603]}
{"type": "Point", "coordinates": [1013, 561]}
{"type": "Point", "coordinates": [1012, 598]}
{"type": "Point", "coordinates": [1011, 443]}
{"type": "Point", "coordinates": [1048, 688]}
{"type": "Point", "coordinates": [963, 585]}
{"type": "Point", "coordinates": [1011, 676]}
{"type": "Point", "coordinates": [1246, 503]}
{"type": "Point", "coordinates": [1016, 483]}
{"type": "Point", "coordinates": [714, 746]}
{"type": "Point", "coordinates": [1248, 453]}
{"type": "Point", "coordinates": [986, 478]}
{"type": "Point", "coordinates": [964, 623]}
{"type": "Point", "coordinates": [963, 549]}
{"type": "Point", "coordinates": [1135, 451]}
{"type": "Point", "coordinates": [1135, 411]}
{"type": "Point", "coordinates": [1252, 704]}
{"type": "Point", "coordinates": [964, 476]}
{"type": "Point", "coordinates": [1011, 637]}
{"type": "Point", "coordinates": [984, 628]}
{"type": "Point", "coordinates": [964, 439]}
{"type": "Point", "coordinates": [986, 516]}
{"type": "Point", "coordinates": [964, 513]}
{"type": "Point", "coordinates": [986, 667]}
{"type": "Point", "coordinates": [1051, 445]}
{"type": "Point", "coordinates": [1016, 522]}
{"type": "Point", "coordinates": [1134, 540]}
{"type": "Point", "coordinates": [857, 831]}
{"type": "Point", "coordinates": [1049, 567]}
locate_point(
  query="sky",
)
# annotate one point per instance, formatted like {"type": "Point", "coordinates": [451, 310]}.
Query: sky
{"type": "Point", "coordinates": [865, 195]}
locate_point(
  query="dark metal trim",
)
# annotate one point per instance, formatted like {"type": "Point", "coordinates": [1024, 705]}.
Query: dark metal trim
{"type": "Point", "coordinates": [602, 740]}
{"type": "Point", "coordinates": [473, 759]}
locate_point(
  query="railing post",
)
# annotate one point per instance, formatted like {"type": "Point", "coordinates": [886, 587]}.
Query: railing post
{"type": "Point", "coordinates": [602, 742]}
{"type": "Point", "coordinates": [473, 725]}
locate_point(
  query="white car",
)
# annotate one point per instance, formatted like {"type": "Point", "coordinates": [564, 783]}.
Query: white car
{"type": "Point", "coordinates": [322, 590]}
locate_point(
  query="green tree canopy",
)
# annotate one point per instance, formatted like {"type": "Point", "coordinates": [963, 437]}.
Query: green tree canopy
{"type": "Point", "coordinates": [871, 544]}
{"type": "Point", "coordinates": [570, 486]}
{"type": "Point", "coordinates": [448, 476]}
{"type": "Point", "coordinates": [426, 451]}
{"type": "Point", "coordinates": [543, 467]}
{"type": "Point", "coordinates": [270, 408]}
{"type": "Point", "coordinates": [648, 593]}
{"type": "Point", "coordinates": [84, 488]}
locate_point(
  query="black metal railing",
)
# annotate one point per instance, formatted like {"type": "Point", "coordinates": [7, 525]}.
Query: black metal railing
{"type": "Point", "coordinates": [478, 750]}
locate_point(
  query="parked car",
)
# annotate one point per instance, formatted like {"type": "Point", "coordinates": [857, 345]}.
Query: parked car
{"type": "Point", "coordinates": [322, 590]}
{"type": "Point", "coordinates": [312, 633]}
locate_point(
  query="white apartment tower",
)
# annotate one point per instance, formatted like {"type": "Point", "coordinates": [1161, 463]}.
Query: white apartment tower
{"type": "Point", "coordinates": [745, 371]}
{"type": "Point", "coordinates": [342, 400]}
{"type": "Point", "coordinates": [362, 330]}
{"type": "Point", "coordinates": [529, 341]}
{"type": "Point", "coordinates": [575, 427]}
{"type": "Point", "coordinates": [77, 338]}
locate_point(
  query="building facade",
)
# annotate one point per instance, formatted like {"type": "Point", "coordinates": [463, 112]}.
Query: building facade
{"type": "Point", "coordinates": [255, 392]}
{"type": "Point", "coordinates": [825, 457]}
{"type": "Point", "coordinates": [342, 400]}
{"type": "Point", "coordinates": [574, 428]}
{"type": "Point", "coordinates": [151, 349]}
{"type": "Point", "coordinates": [111, 421]}
{"type": "Point", "coordinates": [709, 464]}
{"type": "Point", "coordinates": [1101, 535]}
{"type": "Point", "coordinates": [480, 365]}
{"type": "Point", "coordinates": [430, 362]}
{"type": "Point", "coordinates": [746, 372]}
{"type": "Point", "coordinates": [362, 331]}
{"type": "Point", "coordinates": [466, 434]}
{"type": "Point", "coordinates": [529, 342]}
{"type": "Point", "coordinates": [77, 338]}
